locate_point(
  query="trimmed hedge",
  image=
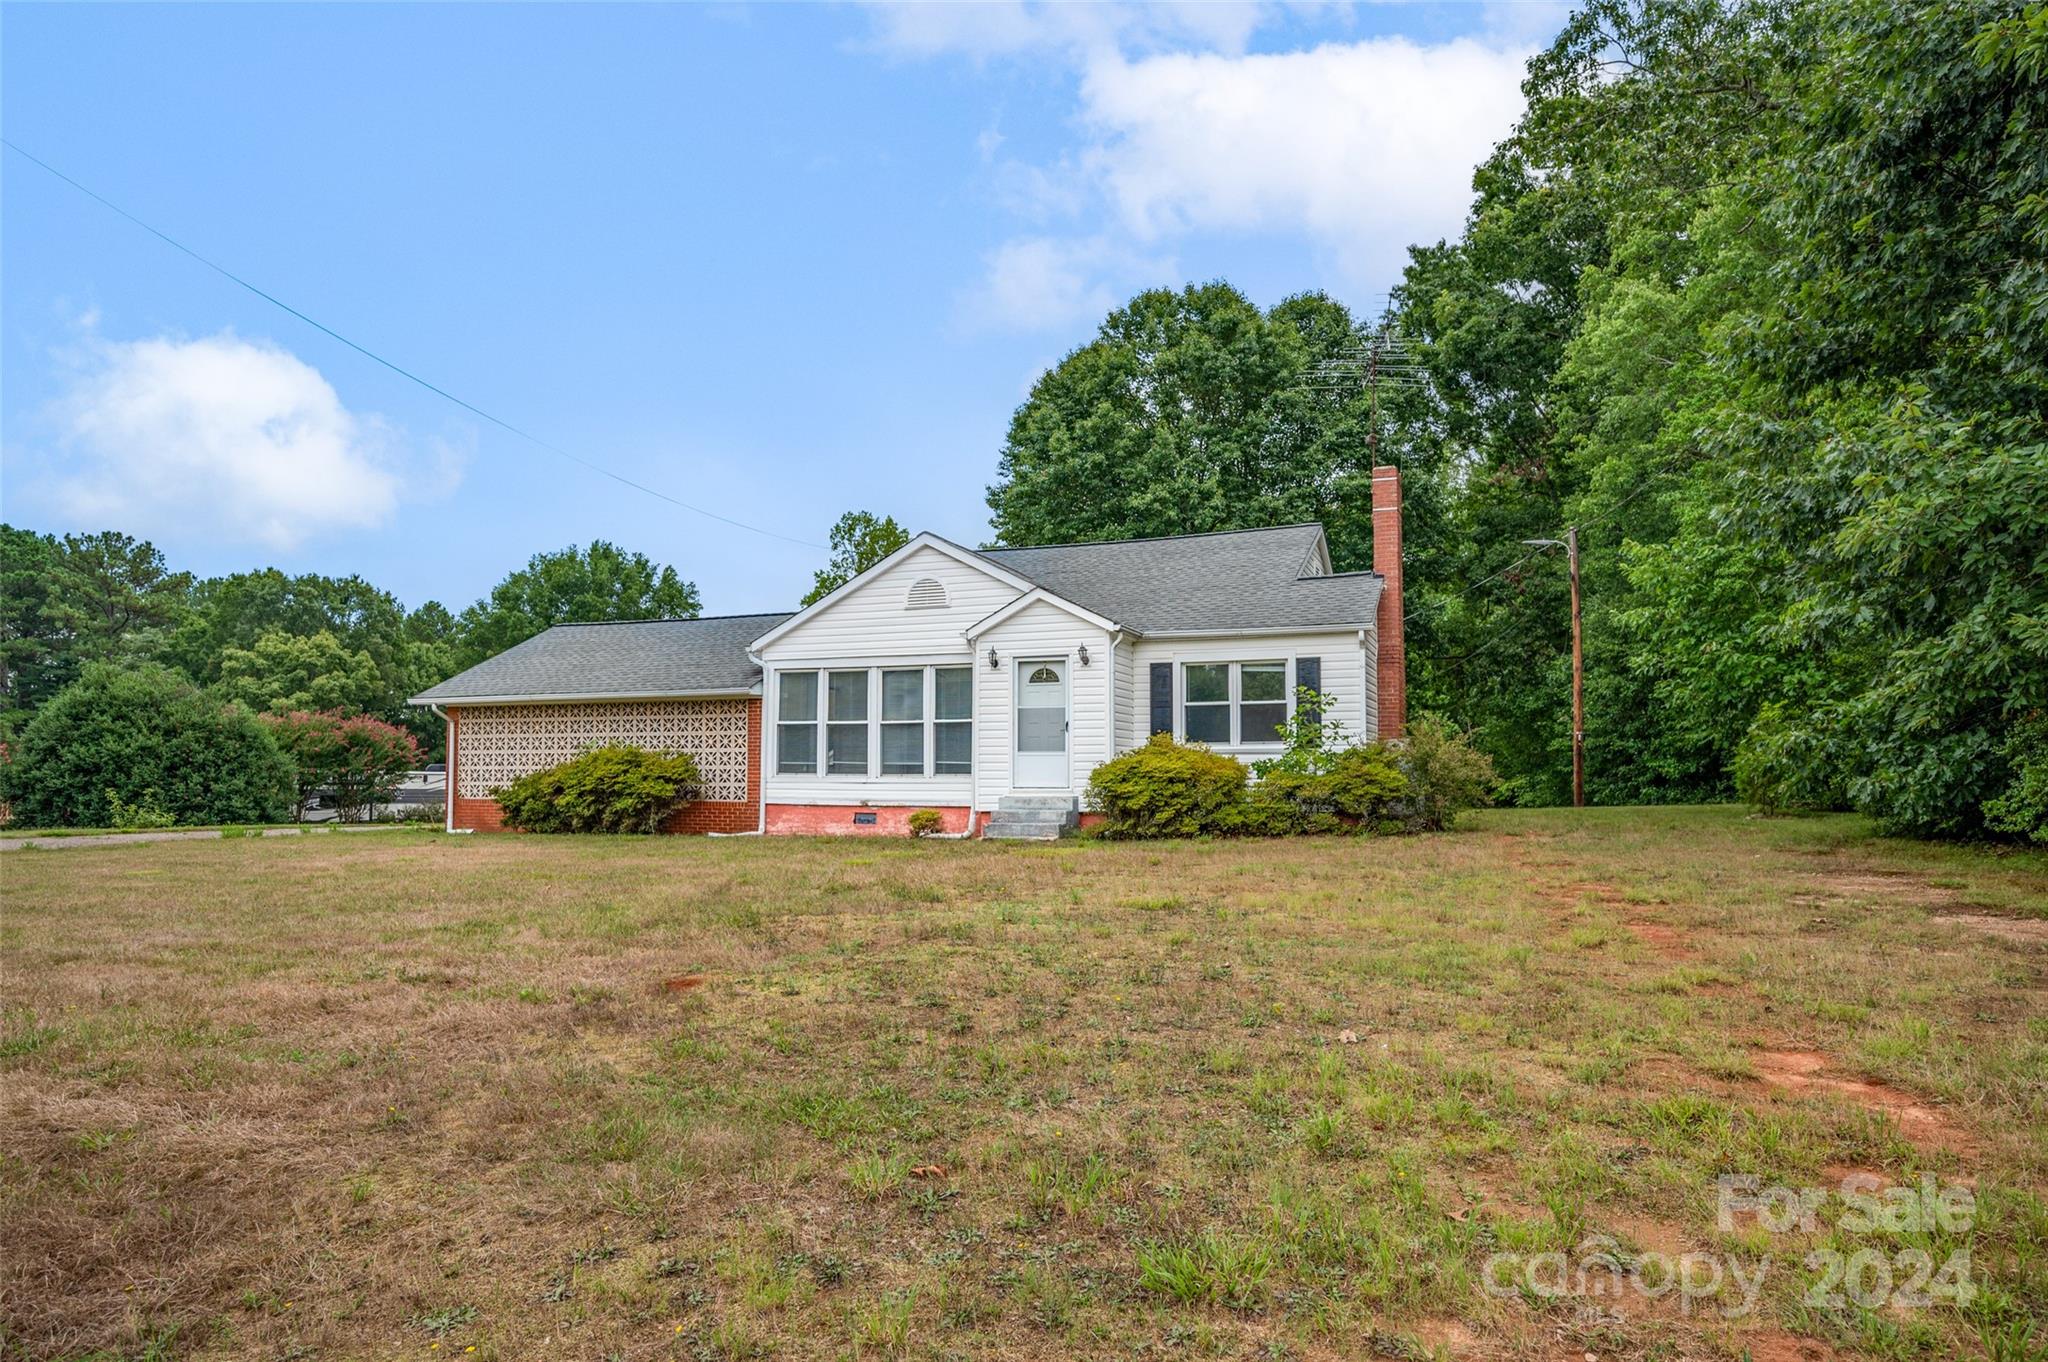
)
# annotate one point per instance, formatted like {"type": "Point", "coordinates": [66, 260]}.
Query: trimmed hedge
{"type": "Point", "coordinates": [1168, 789]}
{"type": "Point", "coordinates": [607, 789]}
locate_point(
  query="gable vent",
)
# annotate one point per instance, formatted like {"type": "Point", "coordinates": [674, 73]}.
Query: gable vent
{"type": "Point", "coordinates": [926, 593]}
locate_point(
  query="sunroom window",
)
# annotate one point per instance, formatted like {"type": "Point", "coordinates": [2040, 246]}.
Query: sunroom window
{"type": "Point", "coordinates": [903, 723]}
{"type": "Point", "coordinates": [846, 723]}
{"type": "Point", "coordinates": [796, 728]}
{"type": "Point", "coordinates": [900, 721]}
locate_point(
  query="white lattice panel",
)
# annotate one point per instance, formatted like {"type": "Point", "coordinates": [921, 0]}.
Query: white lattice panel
{"type": "Point", "coordinates": [497, 744]}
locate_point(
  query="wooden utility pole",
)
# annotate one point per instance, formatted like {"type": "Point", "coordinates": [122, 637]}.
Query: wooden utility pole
{"type": "Point", "coordinates": [1571, 548]}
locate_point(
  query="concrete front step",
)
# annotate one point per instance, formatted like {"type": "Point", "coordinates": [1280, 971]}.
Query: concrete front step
{"type": "Point", "coordinates": [1064, 803]}
{"type": "Point", "coordinates": [1033, 818]}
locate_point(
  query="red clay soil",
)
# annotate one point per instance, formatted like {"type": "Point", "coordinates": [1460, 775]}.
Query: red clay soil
{"type": "Point", "coordinates": [1802, 1071]}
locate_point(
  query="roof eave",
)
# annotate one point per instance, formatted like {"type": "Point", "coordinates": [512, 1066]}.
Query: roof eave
{"type": "Point", "coordinates": [1257, 630]}
{"type": "Point", "coordinates": [581, 697]}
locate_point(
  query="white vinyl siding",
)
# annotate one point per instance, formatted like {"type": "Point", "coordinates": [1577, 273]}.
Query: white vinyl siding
{"type": "Point", "coordinates": [875, 620]}
{"type": "Point", "coordinates": [1347, 680]}
{"type": "Point", "coordinates": [895, 622]}
{"type": "Point", "coordinates": [1040, 631]}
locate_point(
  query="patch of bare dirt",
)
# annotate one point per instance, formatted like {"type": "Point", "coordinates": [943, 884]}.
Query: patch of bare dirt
{"type": "Point", "coordinates": [1803, 1071]}
{"type": "Point", "coordinates": [1770, 1344]}
{"type": "Point", "coordinates": [2022, 931]}
{"type": "Point", "coordinates": [1663, 938]}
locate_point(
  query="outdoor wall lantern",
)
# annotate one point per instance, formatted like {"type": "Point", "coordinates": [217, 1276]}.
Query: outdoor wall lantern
{"type": "Point", "coordinates": [1084, 654]}
{"type": "Point", "coordinates": [993, 664]}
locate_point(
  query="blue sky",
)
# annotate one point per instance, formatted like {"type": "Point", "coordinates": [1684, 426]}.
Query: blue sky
{"type": "Point", "coordinates": [778, 261]}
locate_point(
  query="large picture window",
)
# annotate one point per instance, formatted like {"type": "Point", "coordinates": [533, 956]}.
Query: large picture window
{"type": "Point", "coordinates": [898, 721]}
{"type": "Point", "coordinates": [1234, 703]}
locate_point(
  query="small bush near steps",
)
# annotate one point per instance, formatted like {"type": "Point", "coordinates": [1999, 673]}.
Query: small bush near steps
{"type": "Point", "coordinates": [607, 789]}
{"type": "Point", "coordinates": [927, 823]}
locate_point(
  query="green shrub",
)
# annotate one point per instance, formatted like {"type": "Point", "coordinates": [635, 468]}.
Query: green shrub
{"type": "Point", "coordinates": [116, 734]}
{"type": "Point", "coordinates": [607, 789]}
{"type": "Point", "coordinates": [1446, 774]}
{"type": "Point", "coordinates": [145, 813]}
{"type": "Point", "coordinates": [1168, 789]}
{"type": "Point", "coordinates": [2022, 809]}
{"type": "Point", "coordinates": [1782, 765]}
{"type": "Point", "coordinates": [926, 822]}
{"type": "Point", "coordinates": [1359, 786]}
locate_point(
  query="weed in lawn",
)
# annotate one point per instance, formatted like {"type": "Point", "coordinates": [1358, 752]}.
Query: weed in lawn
{"type": "Point", "coordinates": [875, 1176]}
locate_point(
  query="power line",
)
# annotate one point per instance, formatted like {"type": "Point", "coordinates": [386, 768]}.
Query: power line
{"type": "Point", "coordinates": [398, 369]}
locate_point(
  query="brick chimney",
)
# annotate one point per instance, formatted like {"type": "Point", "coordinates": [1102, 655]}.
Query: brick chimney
{"type": "Point", "coordinates": [1386, 561]}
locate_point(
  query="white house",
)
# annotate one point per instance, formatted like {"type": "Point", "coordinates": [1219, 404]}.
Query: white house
{"type": "Point", "coordinates": [986, 684]}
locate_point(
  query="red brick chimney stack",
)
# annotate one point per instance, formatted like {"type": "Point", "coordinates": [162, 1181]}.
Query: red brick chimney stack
{"type": "Point", "coordinates": [1386, 560]}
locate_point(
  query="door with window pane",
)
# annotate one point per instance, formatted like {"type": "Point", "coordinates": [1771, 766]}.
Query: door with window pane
{"type": "Point", "coordinates": [1041, 742]}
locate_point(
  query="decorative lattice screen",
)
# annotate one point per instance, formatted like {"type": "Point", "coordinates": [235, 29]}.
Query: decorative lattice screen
{"type": "Point", "coordinates": [497, 744]}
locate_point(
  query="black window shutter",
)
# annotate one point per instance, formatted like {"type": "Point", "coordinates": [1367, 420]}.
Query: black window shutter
{"type": "Point", "coordinates": [1162, 697]}
{"type": "Point", "coordinates": [1308, 674]}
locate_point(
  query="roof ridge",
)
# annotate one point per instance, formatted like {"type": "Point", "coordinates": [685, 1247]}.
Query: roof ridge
{"type": "Point", "coordinates": [681, 619]}
{"type": "Point", "coordinates": [1156, 538]}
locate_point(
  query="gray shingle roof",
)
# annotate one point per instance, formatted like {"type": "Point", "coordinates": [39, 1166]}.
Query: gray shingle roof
{"type": "Point", "coordinates": [640, 658]}
{"type": "Point", "coordinates": [1238, 579]}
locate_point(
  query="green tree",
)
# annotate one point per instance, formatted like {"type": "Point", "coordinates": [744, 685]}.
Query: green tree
{"type": "Point", "coordinates": [859, 541]}
{"type": "Point", "coordinates": [1195, 411]}
{"type": "Point", "coordinates": [144, 736]}
{"type": "Point", "coordinates": [33, 666]}
{"type": "Point", "coordinates": [1892, 443]}
{"type": "Point", "coordinates": [574, 586]}
{"type": "Point", "coordinates": [284, 671]}
{"type": "Point", "coordinates": [114, 598]}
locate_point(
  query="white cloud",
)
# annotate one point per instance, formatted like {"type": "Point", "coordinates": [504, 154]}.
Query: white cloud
{"type": "Point", "coordinates": [235, 437]}
{"type": "Point", "coordinates": [1361, 148]}
{"type": "Point", "coordinates": [1355, 144]}
{"type": "Point", "coordinates": [1038, 283]}
{"type": "Point", "coordinates": [1016, 28]}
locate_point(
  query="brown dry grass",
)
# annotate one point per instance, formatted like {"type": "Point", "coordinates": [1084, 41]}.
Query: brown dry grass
{"type": "Point", "coordinates": [359, 1098]}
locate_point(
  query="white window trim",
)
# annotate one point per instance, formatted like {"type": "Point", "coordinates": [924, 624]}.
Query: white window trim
{"type": "Point", "coordinates": [821, 722]}
{"type": "Point", "coordinates": [1236, 700]}
{"type": "Point", "coordinates": [774, 688]}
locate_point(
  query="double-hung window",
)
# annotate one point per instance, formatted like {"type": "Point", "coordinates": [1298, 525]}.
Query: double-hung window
{"type": "Point", "coordinates": [846, 723]}
{"type": "Point", "coordinates": [1234, 703]}
{"type": "Point", "coordinates": [900, 721]}
{"type": "Point", "coordinates": [903, 722]}
{"type": "Point", "coordinates": [796, 723]}
{"type": "Point", "coordinates": [952, 721]}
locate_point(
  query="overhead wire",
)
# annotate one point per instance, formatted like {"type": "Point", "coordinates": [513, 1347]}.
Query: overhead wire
{"type": "Point", "coordinates": [399, 369]}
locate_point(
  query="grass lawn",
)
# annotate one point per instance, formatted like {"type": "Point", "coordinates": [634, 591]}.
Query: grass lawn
{"type": "Point", "coordinates": [503, 1097]}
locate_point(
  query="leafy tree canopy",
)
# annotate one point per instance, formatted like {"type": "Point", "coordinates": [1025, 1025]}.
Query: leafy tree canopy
{"type": "Point", "coordinates": [282, 672]}
{"type": "Point", "coordinates": [1195, 411]}
{"type": "Point", "coordinates": [859, 541]}
{"type": "Point", "coordinates": [574, 586]}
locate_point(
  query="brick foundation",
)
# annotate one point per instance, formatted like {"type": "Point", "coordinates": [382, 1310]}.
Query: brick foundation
{"type": "Point", "coordinates": [484, 815]}
{"type": "Point", "coordinates": [836, 820]}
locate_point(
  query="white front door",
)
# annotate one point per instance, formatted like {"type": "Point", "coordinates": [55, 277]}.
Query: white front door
{"type": "Point", "coordinates": [1040, 761]}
